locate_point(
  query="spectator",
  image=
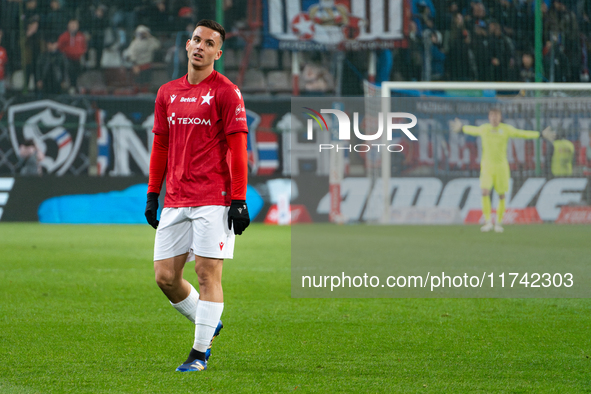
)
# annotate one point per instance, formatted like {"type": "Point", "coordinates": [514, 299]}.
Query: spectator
{"type": "Point", "coordinates": [478, 28]}
{"type": "Point", "coordinates": [96, 25]}
{"type": "Point", "coordinates": [445, 20]}
{"type": "Point", "coordinates": [236, 18]}
{"type": "Point", "coordinates": [186, 15]}
{"type": "Point", "coordinates": [315, 76]}
{"type": "Point", "coordinates": [52, 70]}
{"type": "Point", "coordinates": [31, 9]}
{"type": "Point", "coordinates": [9, 22]}
{"type": "Point", "coordinates": [437, 56]}
{"type": "Point", "coordinates": [31, 158]}
{"type": "Point", "coordinates": [502, 63]}
{"type": "Point", "coordinates": [416, 6]}
{"type": "Point", "coordinates": [3, 61]}
{"type": "Point", "coordinates": [141, 54]}
{"type": "Point", "coordinates": [72, 44]}
{"type": "Point", "coordinates": [124, 19]}
{"type": "Point", "coordinates": [527, 72]}
{"type": "Point", "coordinates": [525, 23]}
{"type": "Point", "coordinates": [507, 16]}
{"type": "Point", "coordinates": [32, 49]}
{"type": "Point", "coordinates": [72, 6]}
{"type": "Point", "coordinates": [459, 60]}
{"type": "Point", "coordinates": [157, 18]}
{"type": "Point", "coordinates": [56, 20]}
{"type": "Point", "coordinates": [556, 64]}
{"type": "Point", "coordinates": [562, 31]}
{"type": "Point", "coordinates": [410, 60]}
{"type": "Point", "coordinates": [423, 19]}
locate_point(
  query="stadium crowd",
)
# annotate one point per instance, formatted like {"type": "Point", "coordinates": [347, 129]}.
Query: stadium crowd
{"type": "Point", "coordinates": [493, 40]}
{"type": "Point", "coordinates": [52, 41]}
{"type": "Point", "coordinates": [49, 43]}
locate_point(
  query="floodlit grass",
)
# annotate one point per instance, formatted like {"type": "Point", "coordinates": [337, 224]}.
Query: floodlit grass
{"type": "Point", "coordinates": [80, 313]}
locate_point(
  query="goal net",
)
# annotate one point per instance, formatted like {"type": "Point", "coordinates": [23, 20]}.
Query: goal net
{"type": "Point", "coordinates": [442, 154]}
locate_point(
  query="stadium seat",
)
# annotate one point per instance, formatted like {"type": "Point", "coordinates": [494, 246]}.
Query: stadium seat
{"type": "Point", "coordinates": [128, 91]}
{"type": "Point", "coordinates": [232, 75]}
{"type": "Point", "coordinates": [269, 59]}
{"type": "Point", "coordinates": [91, 80]}
{"type": "Point", "coordinates": [117, 77]}
{"type": "Point", "coordinates": [279, 82]}
{"type": "Point", "coordinates": [159, 77]}
{"type": "Point", "coordinates": [254, 82]}
{"type": "Point", "coordinates": [99, 91]}
{"type": "Point", "coordinates": [231, 60]}
{"type": "Point", "coordinates": [253, 60]}
{"type": "Point", "coordinates": [17, 80]}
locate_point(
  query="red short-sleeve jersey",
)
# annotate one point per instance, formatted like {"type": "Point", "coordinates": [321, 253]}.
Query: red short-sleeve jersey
{"type": "Point", "coordinates": [196, 119]}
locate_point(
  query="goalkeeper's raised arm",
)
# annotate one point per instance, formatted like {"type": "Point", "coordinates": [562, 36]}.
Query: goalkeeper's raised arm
{"type": "Point", "coordinates": [472, 130]}
{"type": "Point", "coordinates": [457, 126]}
{"type": "Point", "coordinates": [517, 133]}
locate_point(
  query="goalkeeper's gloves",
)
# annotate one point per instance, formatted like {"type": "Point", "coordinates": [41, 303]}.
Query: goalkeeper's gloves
{"type": "Point", "coordinates": [152, 209]}
{"type": "Point", "coordinates": [456, 125]}
{"type": "Point", "coordinates": [238, 216]}
{"type": "Point", "coordinates": [549, 134]}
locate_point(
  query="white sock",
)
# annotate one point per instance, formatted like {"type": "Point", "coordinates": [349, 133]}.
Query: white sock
{"type": "Point", "coordinates": [188, 306]}
{"type": "Point", "coordinates": [208, 317]}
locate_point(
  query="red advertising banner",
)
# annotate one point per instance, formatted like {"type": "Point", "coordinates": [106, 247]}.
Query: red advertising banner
{"type": "Point", "coordinates": [527, 215]}
{"type": "Point", "coordinates": [299, 214]}
{"type": "Point", "coordinates": [574, 215]}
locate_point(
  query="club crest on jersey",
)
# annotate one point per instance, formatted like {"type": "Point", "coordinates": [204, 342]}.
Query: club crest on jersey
{"type": "Point", "coordinates": [206, 99]}
{"type": "Point", "coordinates": [172, 97]}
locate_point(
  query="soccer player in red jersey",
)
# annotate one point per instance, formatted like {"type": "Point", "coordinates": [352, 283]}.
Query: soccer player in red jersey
{"type": "Point", "coordinates": [199, 120]}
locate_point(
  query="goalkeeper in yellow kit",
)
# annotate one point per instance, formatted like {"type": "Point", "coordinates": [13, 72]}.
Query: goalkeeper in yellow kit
{"type": "Point", "coordinates": [494, 167]}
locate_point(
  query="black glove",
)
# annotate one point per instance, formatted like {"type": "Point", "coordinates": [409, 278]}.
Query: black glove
{"type": "Point", "coordinates": [152, 209]}
{"type": "Point", "coordinates": [238, 214]}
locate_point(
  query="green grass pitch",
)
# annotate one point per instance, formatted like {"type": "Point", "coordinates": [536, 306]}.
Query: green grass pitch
{"type": "Point", "coordinates": [80, 313]}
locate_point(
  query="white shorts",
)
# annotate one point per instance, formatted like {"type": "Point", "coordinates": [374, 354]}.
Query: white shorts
{"type": "Point", "coordinates": [201, 231]}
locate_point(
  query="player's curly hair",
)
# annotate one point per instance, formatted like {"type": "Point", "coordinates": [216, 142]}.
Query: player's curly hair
{"type": "Point", "coordinates": [213, 25]}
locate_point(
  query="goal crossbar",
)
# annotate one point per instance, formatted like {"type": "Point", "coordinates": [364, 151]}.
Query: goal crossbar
{"type": "Point", "coordinates": [506, 86]}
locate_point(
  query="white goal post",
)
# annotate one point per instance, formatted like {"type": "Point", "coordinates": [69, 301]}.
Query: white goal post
{"type": "Point", "coordinates": [556, 90]}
